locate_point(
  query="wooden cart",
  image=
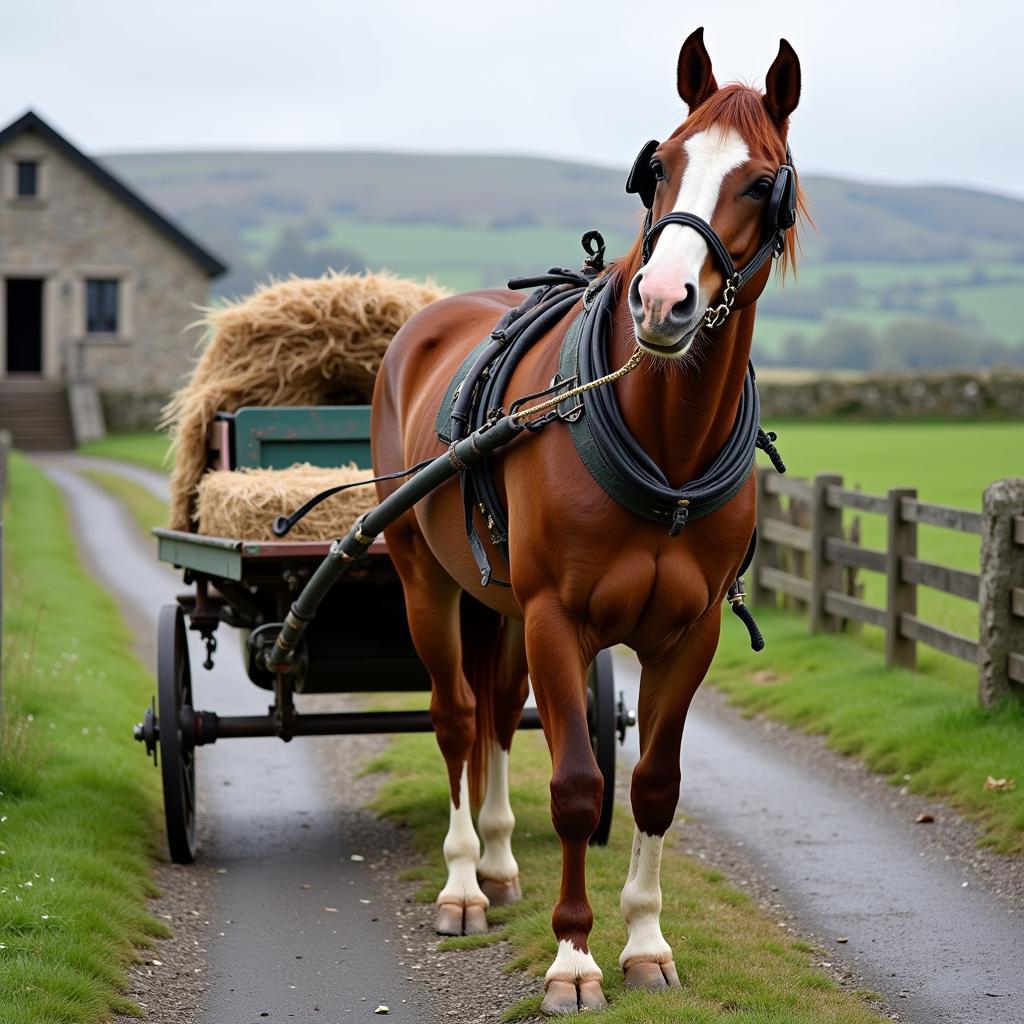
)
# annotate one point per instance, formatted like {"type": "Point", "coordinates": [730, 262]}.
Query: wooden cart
{"type": "Point", "coordinates": [358, 643]}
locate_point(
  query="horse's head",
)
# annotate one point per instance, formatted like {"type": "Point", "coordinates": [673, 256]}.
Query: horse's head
{"type": "Point", "coordinates": [721, 195]}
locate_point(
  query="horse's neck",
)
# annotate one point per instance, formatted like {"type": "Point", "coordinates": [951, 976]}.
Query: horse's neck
{"type": "Point", "coordinates": [682, 415]}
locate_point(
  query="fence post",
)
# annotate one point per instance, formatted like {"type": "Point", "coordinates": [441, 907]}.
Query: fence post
{"type": "Point", "coordinates": [825, 522]}
{"type": "Point", "coordinates": [1000, 630]}
{"type": "Point", "coordinates": [766, 553]}
{"type": "Point", "coordinates": [901, 597]}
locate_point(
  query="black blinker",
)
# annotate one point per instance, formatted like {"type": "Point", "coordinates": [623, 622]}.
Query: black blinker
{"type": "Point", "coordinates": [642, 180]}
{"type": "Point", "coordinates": [782, 206]}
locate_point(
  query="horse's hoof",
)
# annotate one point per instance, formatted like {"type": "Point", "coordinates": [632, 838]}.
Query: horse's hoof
{"type": "Point", "coordinates": [592, 996]}
{"type": "Point", "coordinates": [455, 919]}
{"type": "Point", "coordinates": [651, 976]}
{"type": "Point", "coordinates": [564, 997]}
{"type": "Point", "coordinates": [474, 921]}
{"type": "Point", "coordinates": [501, 893]}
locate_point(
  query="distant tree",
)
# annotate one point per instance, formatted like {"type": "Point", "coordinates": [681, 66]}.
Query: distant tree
{"type": "Point", "coordinates": [291, 255]}
{"type": "Point", "coordinates": [844, 345]}
{"type": "Point", "coordinates": [794, 351]}
{"type": "Point", "coordinates": [316, 228]}
{"type": "Point", "coordinates": [927, 345]}
{"type": "Point", "coordinates": [840, 290]}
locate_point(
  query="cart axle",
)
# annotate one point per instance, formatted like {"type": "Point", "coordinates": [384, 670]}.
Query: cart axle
{"type": "Point", "coordinates": [200, 728]}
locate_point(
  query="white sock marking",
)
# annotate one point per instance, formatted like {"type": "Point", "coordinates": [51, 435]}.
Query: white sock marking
{"type": "Point", "coordinates": [711, 155]}
{"type": "Point", "coordinates": [497, 822]}
{"type": "Point", "coordinates": [641, 902]}
{"type": "Point", "coordinates": [572, 965]}
{"type": "Point", "coordinates": [461, 853]}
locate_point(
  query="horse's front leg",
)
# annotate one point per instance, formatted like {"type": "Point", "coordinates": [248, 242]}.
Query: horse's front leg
{"type": "Point", "coordinates": [558, 671]}
{"type": "Point", "coordinates": [667, 685]}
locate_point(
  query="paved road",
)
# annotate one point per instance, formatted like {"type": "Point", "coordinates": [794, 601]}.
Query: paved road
{"type": "Point", "coordinates": [941, 953]}
{"type": "Point", "coordinates": [281, 841]}
{"type": "Point", "coordinates": [852, 868]}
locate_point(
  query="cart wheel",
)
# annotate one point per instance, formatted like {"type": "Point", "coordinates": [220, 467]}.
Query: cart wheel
{"type": "Point", "coordinates": [601, 715]}
{"type": "Point", "coordinates": [177, 761]}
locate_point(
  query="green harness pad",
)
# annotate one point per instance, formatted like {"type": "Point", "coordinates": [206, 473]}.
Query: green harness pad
{"type": "Point", "coordinates": [443, 422]}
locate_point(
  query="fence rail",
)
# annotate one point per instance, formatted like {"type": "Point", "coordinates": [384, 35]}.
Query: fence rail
{"type": "Point", "coordinates": [803, 554]}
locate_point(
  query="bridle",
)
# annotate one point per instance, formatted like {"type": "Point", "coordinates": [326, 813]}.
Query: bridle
{"type": "Point", "coordinates": [780, 216]}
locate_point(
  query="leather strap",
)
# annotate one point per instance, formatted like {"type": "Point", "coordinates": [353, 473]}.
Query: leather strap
{"type": "Point", "coordinates": [771, 247]}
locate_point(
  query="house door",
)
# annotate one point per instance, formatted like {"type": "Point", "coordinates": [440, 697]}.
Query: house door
{"type": "Point", "coordinates": [24, 320]}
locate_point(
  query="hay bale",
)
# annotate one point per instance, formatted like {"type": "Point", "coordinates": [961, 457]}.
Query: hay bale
{"type": "Point", "coordinates": [244, 503]}
{"type": "Point", "coordinates": [296, 342]}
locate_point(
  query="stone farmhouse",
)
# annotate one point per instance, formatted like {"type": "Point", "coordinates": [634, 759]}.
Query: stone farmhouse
{"type": "Point", "coordinates": [96, 289]}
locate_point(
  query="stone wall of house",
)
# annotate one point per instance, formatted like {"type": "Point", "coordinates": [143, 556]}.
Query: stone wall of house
{"type": "Point", "coordinates": [996, 394]}
{"type": "Point", "coordinates": [78, 230]}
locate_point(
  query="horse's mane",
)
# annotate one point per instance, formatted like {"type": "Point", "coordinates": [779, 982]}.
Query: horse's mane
{"type": "Point", "coordinates": [740, 107]}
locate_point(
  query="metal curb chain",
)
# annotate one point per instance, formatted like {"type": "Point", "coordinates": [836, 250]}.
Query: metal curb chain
{"type": "Point", "coordinates": [716, 317]}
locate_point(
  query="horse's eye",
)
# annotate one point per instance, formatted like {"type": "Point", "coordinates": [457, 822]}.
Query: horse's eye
{"type": "Point", "coordinates": [760, 189]}
{"type": "Point", "coordinates": [659, 170]}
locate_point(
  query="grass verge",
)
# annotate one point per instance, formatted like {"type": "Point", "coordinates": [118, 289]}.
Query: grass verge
{"type": "Point", "coordinates": [736, 964]}
{"type": "Point", "coordinates": [147, 448]}
{"type": "Point", "coordinates": [923, 729]}
{"type": "Point", "coordinates": [78, 811]}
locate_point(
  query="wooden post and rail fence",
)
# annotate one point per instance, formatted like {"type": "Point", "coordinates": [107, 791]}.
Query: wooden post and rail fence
{"type": "Point", "coordinates": [803, 554]}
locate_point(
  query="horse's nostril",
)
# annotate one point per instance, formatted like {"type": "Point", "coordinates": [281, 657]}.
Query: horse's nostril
{"type": "Point", "coordinates": [636, 302]}
{"type": "Point", "coordinates": [683, 310]}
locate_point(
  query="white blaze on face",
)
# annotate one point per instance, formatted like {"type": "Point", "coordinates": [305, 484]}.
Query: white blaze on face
{"type": "Point", "coordinates": [711, 155]}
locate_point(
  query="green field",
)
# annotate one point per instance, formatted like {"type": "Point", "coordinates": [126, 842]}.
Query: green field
{"type": "Point", "coordinates": [78, 806]}
{"type": "Point", "coordinates": [147, 448]}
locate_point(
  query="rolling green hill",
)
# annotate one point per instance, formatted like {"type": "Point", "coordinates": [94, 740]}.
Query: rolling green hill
{"type": "Point", "coordinates": [882, 267]}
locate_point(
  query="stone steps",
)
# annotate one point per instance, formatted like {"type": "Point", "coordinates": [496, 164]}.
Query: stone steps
{"type": "Point", "coordinates": [36, 413]}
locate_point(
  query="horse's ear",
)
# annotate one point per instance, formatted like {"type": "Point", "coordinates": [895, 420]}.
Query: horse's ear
{"type": "Point", "coordinates": [782, 86]}
{"type": "Point", "coordinates": [696, 81]}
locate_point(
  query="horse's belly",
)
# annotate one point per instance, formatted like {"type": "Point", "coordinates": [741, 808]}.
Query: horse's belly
{"type": "Point", "coordinates": [442, 523]}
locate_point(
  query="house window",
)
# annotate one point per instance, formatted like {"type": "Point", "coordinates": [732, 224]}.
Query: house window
{"type": "Point", "coordinates": [101, 306]}
{"type": "Point", "coordinates": [28, 179]}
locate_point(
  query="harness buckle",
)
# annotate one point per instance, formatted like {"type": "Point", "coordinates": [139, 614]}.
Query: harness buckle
{"type": "Point", "coordinates": [679, 516]}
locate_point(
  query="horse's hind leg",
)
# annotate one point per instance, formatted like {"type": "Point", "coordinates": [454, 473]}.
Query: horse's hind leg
{"type": "Point", "coordinates": [432, 601]}
{"type": "Point", "coordinates": [498, 871]}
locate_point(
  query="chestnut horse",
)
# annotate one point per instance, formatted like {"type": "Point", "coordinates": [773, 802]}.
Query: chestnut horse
{"type": "Point", "coordinates": [585, 572]}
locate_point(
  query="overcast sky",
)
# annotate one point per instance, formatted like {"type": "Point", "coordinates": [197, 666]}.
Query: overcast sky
{"type": "Point", "coordinates": [897, 91]}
